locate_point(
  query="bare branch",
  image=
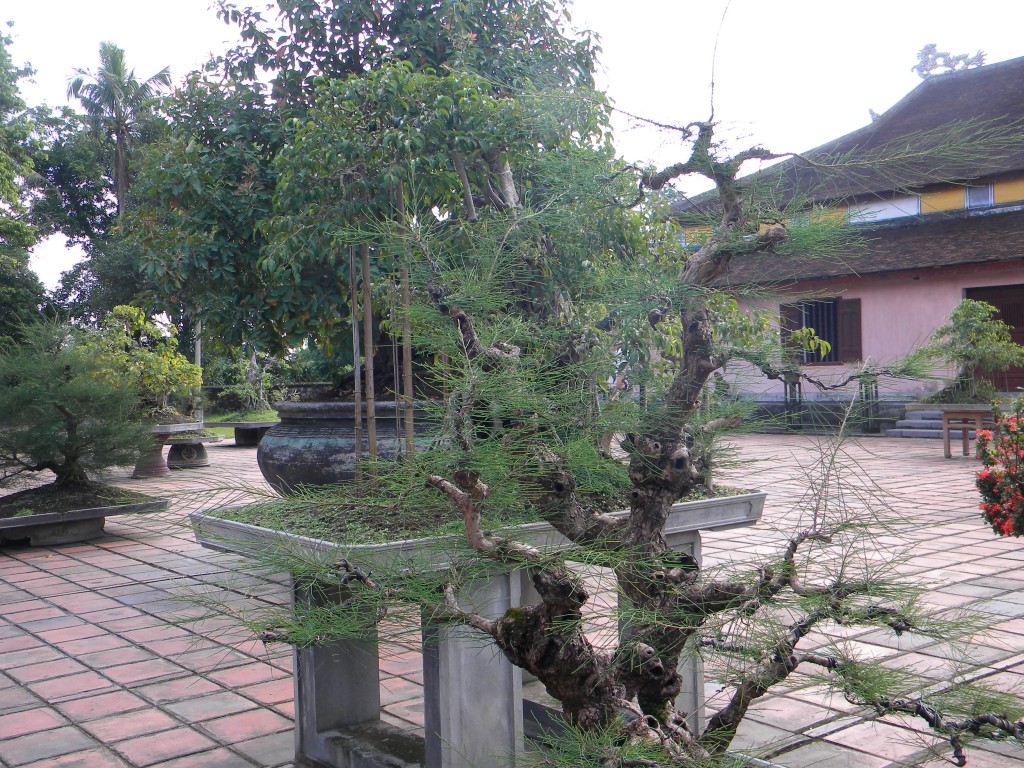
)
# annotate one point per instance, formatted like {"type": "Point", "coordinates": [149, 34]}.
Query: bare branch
{"type": "Point", "coordinates": [500, 167]}
{"type": "Point", "coordinates": [470, 340]}
{"type": "Point", "coordinates": [953, 729]}
{"type": "Point", "coordinates": [453, 612]}
{"type": "Point", "coordinates": [352, 573]}
{"type": "Point", "coordinates": [467, 503]}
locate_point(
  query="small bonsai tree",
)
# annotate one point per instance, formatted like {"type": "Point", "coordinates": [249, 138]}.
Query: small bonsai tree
{"type": "Point", "coordinates": [60, 412]}
{"type": "Point", "coordinates": [974, 343]}
{"type": "Point", "coordinates": [131, 348]}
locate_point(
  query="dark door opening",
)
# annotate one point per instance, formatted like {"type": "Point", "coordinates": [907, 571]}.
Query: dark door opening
{"type": "Point", "coordinates": [1009, 300]}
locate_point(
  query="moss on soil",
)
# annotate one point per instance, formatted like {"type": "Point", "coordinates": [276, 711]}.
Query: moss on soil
{"type": "Point", "coordinates": [377, 524]}
{"type": "Point", "coordinates": [344, 523]}
{"type": "Point", "coordinates": [53, 498]}
{"type": "Point", "coordinates": [270, 415]}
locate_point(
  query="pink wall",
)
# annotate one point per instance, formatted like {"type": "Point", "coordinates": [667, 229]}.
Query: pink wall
{"type": "Point", "coordinates": [899, 310]}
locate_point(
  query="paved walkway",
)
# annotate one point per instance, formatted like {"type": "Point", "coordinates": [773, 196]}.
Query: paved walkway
{"type": "Point", "coordinates": [102, 665]}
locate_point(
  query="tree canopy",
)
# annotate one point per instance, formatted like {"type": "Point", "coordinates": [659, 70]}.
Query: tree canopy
{"type": "Point", "coordinates": [211, 207]}
{"type": "Point", "coordinates": [21, 293]}
{"type": "Point", "coordinates": [83, 182]}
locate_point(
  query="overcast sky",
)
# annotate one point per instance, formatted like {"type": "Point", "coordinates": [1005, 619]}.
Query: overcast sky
{"type": "Point", "coordinates": [788, 74]}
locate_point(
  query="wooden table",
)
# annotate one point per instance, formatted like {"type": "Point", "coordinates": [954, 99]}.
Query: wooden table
{"type": "Point", "coordinates": [964, 417]}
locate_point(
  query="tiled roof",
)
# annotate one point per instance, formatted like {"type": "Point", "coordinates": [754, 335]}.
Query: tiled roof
{"type": "Point", "coordinates": [939, 240]}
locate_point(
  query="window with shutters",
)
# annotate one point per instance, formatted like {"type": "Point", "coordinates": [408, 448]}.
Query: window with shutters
{"type": "Point", "coordinates": [837, 321]}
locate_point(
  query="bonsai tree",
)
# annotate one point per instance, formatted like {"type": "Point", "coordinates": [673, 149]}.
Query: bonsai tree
{"type": "Point", "coordinates": [526, 294]}
{"type": "Point", "coordinates": [537, 263]}
{"type": "Point", "coordinates": [974, 343]}
{"type": "Point", "coordinates": [60, 412]}
{"type": "Point", "coordinates": [133, 349]}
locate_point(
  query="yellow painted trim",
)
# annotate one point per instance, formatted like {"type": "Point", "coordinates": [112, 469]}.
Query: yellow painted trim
{"type": "Point", "coordinates": [1008, 191]}
{"type": "Point", "coordinates": [821, 213]}
{"type": "Point", "coordinates": [697, 235]}
{"type": "Point", "coordinates": [949, 199]}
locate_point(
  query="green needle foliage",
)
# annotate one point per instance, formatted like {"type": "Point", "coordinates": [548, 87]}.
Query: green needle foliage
{"type": "Point", "coordinates": [58, 411]}
{"type": "Point", "coordinates": [543, 276]}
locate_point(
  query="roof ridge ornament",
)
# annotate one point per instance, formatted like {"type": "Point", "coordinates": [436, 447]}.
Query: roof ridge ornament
{"type": "Point", "coordinates": [930, 59]}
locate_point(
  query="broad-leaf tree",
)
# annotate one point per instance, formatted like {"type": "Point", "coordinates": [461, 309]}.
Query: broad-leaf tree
{"type": "Point", "coordinates": [21, 293]}
{"type": "Point", "coordinates": [206, 203]}
{"type": "Point", "coordinates": [204, 194]}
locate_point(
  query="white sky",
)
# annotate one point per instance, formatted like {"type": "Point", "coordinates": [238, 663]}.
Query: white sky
{"type": "Point", "coordinates": [789, 74]}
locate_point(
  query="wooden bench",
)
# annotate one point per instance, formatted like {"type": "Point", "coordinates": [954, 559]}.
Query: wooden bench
{"type": "Point", "coordinates": [188, 452]}
{"type": "Point", "coordinates": [248, 433]}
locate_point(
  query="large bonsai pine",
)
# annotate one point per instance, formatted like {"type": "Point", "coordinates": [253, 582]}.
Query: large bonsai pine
{"type": "Point", "coordinates": [538, 269]}
{"type": "Point", "coordinates": [531, 285]}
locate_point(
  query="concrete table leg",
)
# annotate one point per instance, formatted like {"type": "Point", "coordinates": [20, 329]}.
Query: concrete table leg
{"type": "Point", "coordinates": [151, 461]}
{"type": "Point", "coordinates": [336, 685]}
{"type": "Point", "coordinates": [691, 667]}
{"type": "Point", "coordinates": [249, 436]}
{"type": "Point", "coordinates": [473, 696]}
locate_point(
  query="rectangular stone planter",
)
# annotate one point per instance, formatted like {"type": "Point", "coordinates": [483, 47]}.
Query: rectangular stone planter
{"type": "Point", "coordinates": [473, 697]}
{"type": "Point", "coordinates": [54, 528]}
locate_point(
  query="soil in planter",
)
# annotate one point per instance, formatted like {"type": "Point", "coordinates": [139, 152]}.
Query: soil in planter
{"type": "Point", "coordinates": [314, 515]}
{"type": "Point", "coordinates": [169, 416]}
{"type": "Point", "coordinates": [52, 498]}
{"type": "Point", "coordinates": [365, 524]}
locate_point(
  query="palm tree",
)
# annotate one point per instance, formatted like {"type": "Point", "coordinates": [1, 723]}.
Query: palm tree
{"type": "Point", "coordinates": [114, 98]}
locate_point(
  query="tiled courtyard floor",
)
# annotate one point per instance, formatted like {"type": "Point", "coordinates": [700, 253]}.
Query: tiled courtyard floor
{"type": "Point", "coordinates": [102, 665]}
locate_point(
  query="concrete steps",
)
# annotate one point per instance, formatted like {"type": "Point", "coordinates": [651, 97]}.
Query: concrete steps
{"type": "Point", "coordinates": [924, 424]}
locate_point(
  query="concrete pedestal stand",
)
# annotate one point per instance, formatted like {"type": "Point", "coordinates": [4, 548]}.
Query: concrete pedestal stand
{"type": "Point", "coordinates": [189, 452]}
{"type": "Point", "coordinates": [473, 697]}
{"type": "Point", "coordinates": [152, 462]}
{"type": "Point", "coordinates": [247, 433]}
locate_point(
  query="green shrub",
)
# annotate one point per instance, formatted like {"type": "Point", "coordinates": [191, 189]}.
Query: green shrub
{"type": "Point", "coordinates": [60, 410]}
{"type": "Point", "coordinates": [974, 343]}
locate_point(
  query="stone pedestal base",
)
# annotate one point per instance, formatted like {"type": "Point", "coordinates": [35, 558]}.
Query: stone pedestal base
{"type": "Point", "coordinates": [187, 456]}
{"type": "Point", "coordinates": [473, 696]}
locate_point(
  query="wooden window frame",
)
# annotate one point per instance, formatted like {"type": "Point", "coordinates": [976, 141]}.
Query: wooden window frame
{"type": "Point", "coordinates": [846, 341]}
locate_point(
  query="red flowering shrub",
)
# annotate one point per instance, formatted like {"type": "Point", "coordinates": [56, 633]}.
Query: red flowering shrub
{"type": "Point", "coordinates": [1001, 479]}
